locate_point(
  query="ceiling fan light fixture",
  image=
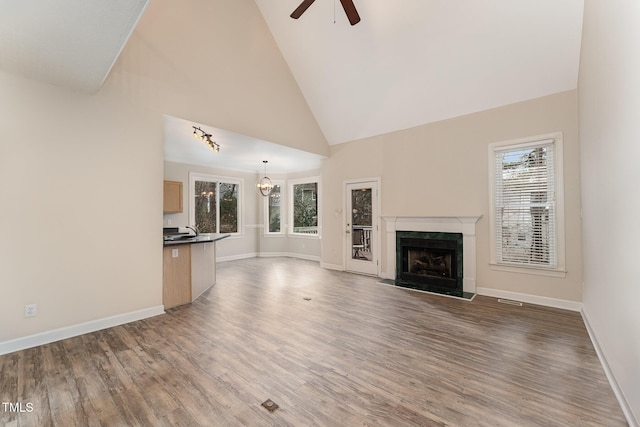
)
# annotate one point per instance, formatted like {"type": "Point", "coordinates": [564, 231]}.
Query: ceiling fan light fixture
{"type": "Point", "coordinates": [350, 10]}
{"type": "Point", "coordinates": [347, 5]}
{"type": "Point", "coordinates": [301, 9]}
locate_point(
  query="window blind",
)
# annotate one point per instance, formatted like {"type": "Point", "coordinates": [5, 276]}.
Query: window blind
{"type": "Point", "coordinates": [525, 204]}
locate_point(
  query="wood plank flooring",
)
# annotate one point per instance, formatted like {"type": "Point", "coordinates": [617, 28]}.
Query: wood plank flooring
{"type": "Point", "coordinates": [330, 348]}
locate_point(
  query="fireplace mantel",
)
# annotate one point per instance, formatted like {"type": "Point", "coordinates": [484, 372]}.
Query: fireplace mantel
{"type": "Point", "coordinates": [444, 224]}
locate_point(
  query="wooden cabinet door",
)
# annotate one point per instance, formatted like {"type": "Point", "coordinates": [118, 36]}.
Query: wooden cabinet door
{"type": "Point", "coordinates": [172, 197]}
{"type": "Point", "coordinates": [176, 279]}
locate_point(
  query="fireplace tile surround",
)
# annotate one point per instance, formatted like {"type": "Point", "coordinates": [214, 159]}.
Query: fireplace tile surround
{"type": "Point", "coordinates": [466, 225]}
{"type": "Point", "coordinates": [430, 262]}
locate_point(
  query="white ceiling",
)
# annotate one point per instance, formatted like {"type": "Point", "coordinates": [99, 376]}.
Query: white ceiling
{"type": "Point", "coordinates": [72, 43]}
{"type": "Point", "coordinates": [237, 152]}
{"type": "Point", "coordinates": [407, 63]}
{"type": "Point", "coordinates": [411, 62]}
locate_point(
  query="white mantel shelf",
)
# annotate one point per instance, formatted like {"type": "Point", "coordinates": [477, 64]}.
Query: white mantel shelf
{"type": "Point", "coordinates": [439, 224]}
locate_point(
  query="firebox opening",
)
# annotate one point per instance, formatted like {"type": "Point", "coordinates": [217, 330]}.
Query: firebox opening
{"type": "Point", "coordinates": [430, 261]}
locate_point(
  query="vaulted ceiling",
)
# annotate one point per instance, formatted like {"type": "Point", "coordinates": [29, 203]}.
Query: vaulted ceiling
{"type": "Point", "coordinates": [411, 62]}
{"type": "Point", "coordinates": [406, 63]}
{"type": "Point", "coordinates": [71, 43]}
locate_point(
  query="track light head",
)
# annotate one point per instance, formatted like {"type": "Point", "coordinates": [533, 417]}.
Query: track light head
{"type": "Point", "coordinates": [206, 138]}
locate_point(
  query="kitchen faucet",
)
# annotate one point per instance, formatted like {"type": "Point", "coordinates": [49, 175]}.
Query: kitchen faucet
{"type": "Point", "coordinates": [194, 228]}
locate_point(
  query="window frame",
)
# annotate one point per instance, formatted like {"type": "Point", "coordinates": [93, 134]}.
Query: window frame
{"type": "Point", "coordinates": [558, 268]}
{"type": "Point", "coordinates": [218, 179]}
{"type": "Point", "coordinates": [290, 213]}
{"type": "Point", "coordinates": [283, 210]}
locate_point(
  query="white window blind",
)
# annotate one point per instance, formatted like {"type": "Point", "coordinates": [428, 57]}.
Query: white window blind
{"type": "Point", "coordinates": [525, 207]}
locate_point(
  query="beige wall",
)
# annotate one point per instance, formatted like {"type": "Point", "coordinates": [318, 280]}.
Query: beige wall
{"type": "Point", "coordinates": [441, 169]}
{"type": "Point", "coordinates": [215, 62]}
{"type": "Point", "coordinates": [82, 174]}
{"type": "Point", "coordinates": [80, 207]}
{"type": "Point", "coordinates": [609, 93]}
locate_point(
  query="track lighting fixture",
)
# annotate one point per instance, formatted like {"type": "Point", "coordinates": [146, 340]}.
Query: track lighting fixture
{"type": "Point", "coordinates": [206, 138]}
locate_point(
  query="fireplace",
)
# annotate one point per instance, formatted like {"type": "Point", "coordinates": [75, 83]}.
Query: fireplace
{"type": "Point", "coordinates": [430, 261]}
{"type": "Point", "coordinates": [440, 254]}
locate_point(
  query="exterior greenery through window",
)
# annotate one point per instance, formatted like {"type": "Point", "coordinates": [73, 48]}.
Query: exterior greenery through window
{"type": "Point", "coordinates": [215, 205]}
{"type": "Point", "coordinates": [525, 219]}
{"type": "Point", "coordinates": [273, 208]}
{"type": "Point", "coordinates": [305, 208]}
{"type": "Point", "coordinates": [362, 208]}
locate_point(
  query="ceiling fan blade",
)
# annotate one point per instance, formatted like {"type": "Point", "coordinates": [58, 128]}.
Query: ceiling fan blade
{"type": "Point", "coordinates": [351, 11]}
{"type": "Point", "coordinates": [301, 9]}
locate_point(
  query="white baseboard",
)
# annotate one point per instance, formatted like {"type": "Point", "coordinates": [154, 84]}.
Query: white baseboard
{"type": "Point", "coordinates": [289, 255]}
{"type": "Point", "coordinates": [79, 329]}
{"type": "Point", "coordinates": [337, 267]}
{"type": "Point", "coordinates": [268, 255]}
{"type": "Point", "coordinates": [624, 405]}
{"type": "Point", "coordinates": [236, 257]}
{"type": "Point", "coordinates": [531, 299]}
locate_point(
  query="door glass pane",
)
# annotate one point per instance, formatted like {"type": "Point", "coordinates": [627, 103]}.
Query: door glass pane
{"type": "Point", "coordinates": [361, 224]}
{"type": "Point", "coordinates": [205, 196]}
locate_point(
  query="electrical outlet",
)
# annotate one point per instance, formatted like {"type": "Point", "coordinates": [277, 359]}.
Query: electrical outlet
{"type": "Point", "coordinates": [30, 310]}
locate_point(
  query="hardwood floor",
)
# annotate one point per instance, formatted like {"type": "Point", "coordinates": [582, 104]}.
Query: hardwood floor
{"type": "Point", "coordinates": [330, 348]}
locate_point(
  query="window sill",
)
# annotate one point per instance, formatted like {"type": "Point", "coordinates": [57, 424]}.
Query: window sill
{"type": "Point", "coordinates": [529, 270]}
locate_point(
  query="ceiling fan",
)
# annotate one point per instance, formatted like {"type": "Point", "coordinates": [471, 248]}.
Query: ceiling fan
{"type": "Point", "coordinates": [347, 5]}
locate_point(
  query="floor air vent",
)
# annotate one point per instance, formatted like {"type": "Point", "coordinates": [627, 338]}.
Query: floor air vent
{"type": "Point", "coordinates": [270, 405]}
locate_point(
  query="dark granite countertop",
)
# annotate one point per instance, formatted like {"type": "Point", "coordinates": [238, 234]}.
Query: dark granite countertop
{"type": "Point", "coordinates": [190, 239]}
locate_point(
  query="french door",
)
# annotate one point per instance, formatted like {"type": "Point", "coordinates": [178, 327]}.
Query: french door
{"type": "Point", "coordinates": [361, 227]}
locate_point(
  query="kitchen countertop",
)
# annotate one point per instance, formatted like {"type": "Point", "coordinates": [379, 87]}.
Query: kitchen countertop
{"type": "Point", "coordinates": [200, 238]}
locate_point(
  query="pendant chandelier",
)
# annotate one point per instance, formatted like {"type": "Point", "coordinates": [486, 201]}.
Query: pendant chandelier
{"type": "Point", "coordinates": [265, 186]}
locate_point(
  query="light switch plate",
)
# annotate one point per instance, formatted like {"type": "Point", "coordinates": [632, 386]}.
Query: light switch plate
{"type": "Point", "coordinates": [174, 253]}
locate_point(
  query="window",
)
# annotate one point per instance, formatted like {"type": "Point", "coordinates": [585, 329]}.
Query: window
{"type": "Point", "coordinates": [304, 206]}
{"type": "Point", "coordinates": [526, 221]}
{"type": "Point", "coordinates": [273, 211]}
{"type": "Point", "coordinates": [215, 203]}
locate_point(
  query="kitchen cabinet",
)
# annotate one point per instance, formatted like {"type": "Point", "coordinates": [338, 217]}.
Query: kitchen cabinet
{"type": "Point", "coordinates": [172, 201]}
{"type": "Point", "coordinates": [176, 281]}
